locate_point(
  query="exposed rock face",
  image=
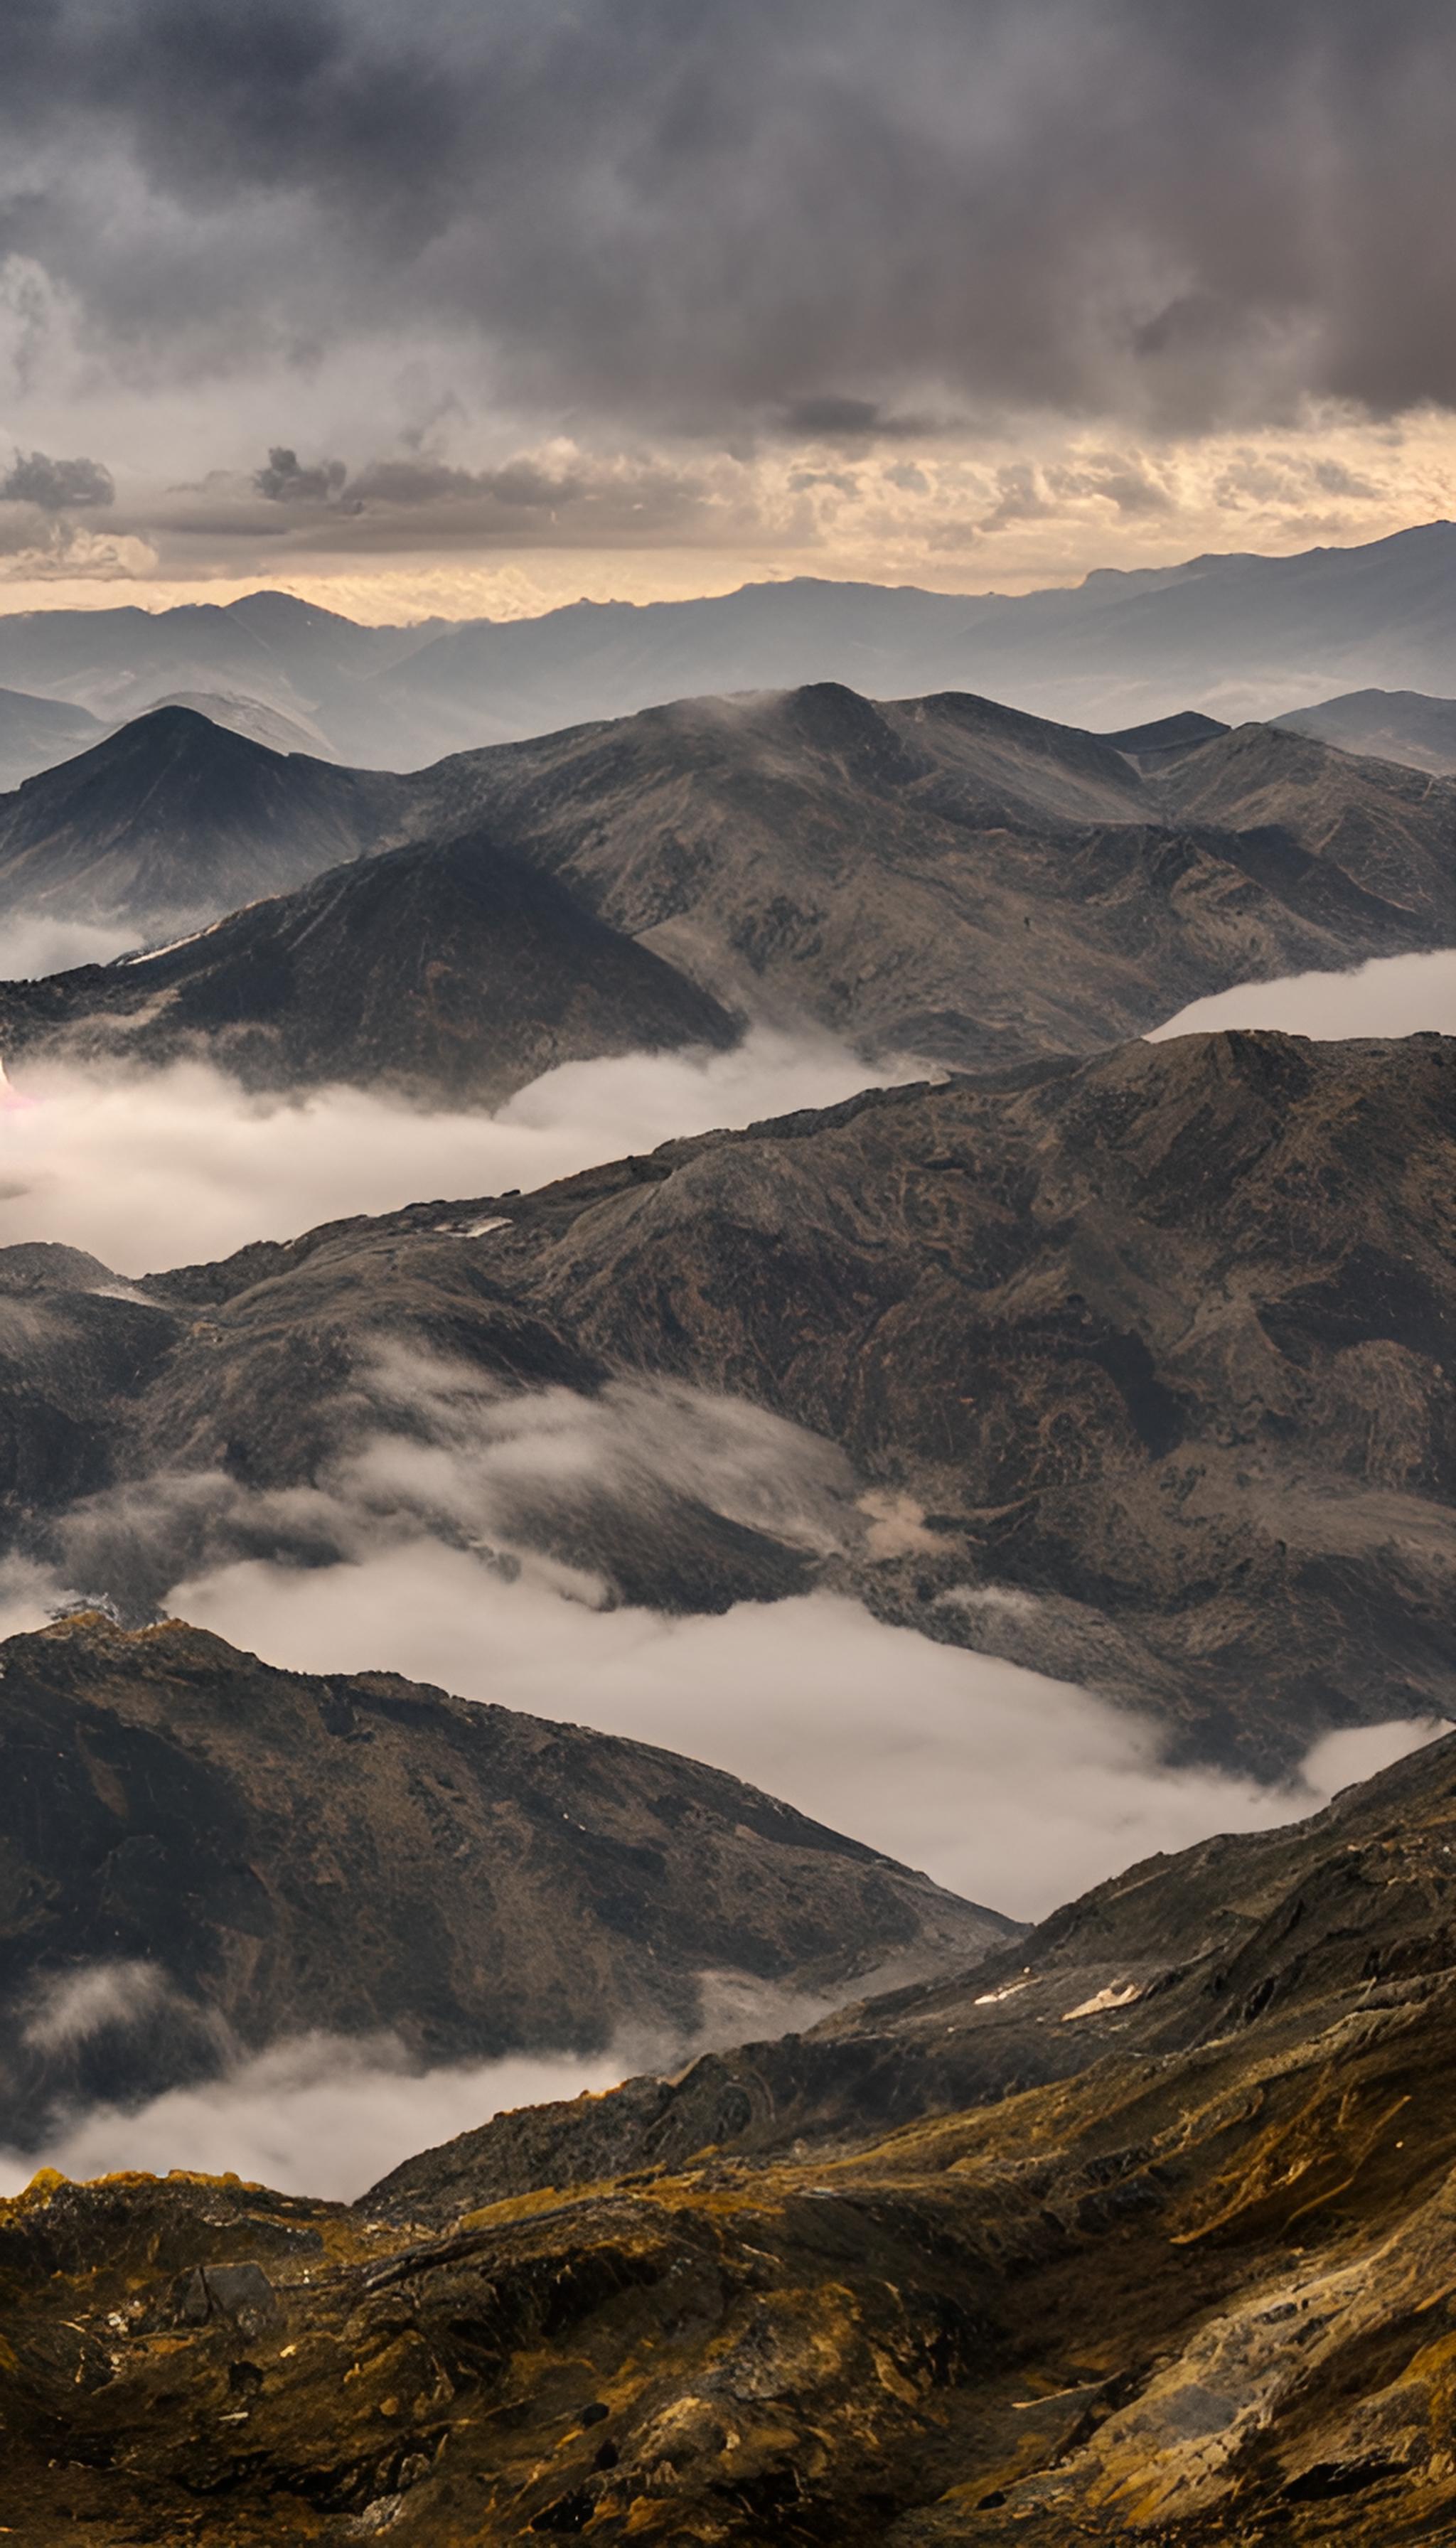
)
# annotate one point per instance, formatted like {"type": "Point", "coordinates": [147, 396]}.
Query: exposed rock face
{"type": "Point", "coordinates": [1162, 1342]}
{"type": "Point", "coordinates": [1161, 2248]}
{"type": "Point", "coordinates": [175, 814]}
{"type": "Point", "coordinates": [454, 972]}
{"type": "Point", "coordinates": [281, 1854]}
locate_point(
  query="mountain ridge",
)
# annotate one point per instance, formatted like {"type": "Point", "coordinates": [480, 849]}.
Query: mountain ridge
{"type": "Point", "coordinates": [1120, 648]}
{"type": "Point", "coordinates": [944, 878]}
{"type": "Point", "coordinates": [1162, 1341]}
{"type": "Point", "coordinates": [282, 1852]}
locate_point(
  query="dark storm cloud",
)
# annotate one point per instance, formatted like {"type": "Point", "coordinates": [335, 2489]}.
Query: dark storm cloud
{"type": "Point", "coordinates": [831, 419]}
{"type": "Point", "coordinates": [729, 214]}
{"type": "Point", "coordinates": [55, 485]}
{"type": "Point", "coordinates": [286, 482]}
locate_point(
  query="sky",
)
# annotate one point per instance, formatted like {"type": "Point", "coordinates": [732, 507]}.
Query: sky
{"type": "Point", "coordinates": [479, 306]}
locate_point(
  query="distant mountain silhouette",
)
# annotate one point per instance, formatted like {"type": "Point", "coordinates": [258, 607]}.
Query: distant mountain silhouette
{"type": "Point", "coordinates": [1227, 634]}
{"type": "Point", "coordinates": [36, 733]}
{"type": "Point", "coordinates": [1386, 725]}
{"type": "Point", "coordinates": [1236, 636]}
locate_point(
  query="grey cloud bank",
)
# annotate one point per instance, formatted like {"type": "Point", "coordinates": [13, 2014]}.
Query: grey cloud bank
{"type": "Point", "coordinates": [761, 215]}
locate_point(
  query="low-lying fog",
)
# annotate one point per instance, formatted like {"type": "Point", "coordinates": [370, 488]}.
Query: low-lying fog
{"type": "Point", "coordinates": [158, 1168]}
{"type": "Point", "coordinates": [1005, 1784]}
{"type": "Point", "coordinates": [1392, 995]}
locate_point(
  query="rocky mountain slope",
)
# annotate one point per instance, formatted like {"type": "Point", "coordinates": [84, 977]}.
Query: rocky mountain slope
{"type": "Point", "coordinates": [1156, 1349]}
{"type": "Point", "coordinates": [253, 1855]}
{"type": "Point", "coordinates": [452, 971]}
{"type": "Point", "coordinates": [1141, 2229]}
{"type": "Point", "coordinates": [177, 815]}
{"type": "Point", "coordinates": [959, 880]}
{"type": "Point", "coordinates": [1384, 725]}
{"type": "Point", "coordinates": [946, 877]}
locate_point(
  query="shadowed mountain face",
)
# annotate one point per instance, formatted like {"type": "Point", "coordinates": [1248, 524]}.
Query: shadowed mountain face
{"type": "Point", "coordinates": [175, 814]}
{"type": "Point", "coordinates": [453, 971]}
{"type": "Point", "coordinates": [283, 1854]}
{"type": "Point", "coordinates": [1384, 725]}
{"type": "Point", "coordinates": [1162, 1342]}
{"type": "Point", "coordinates": [946, 878]}
{"type": "Point", "coordinates": [1139, 2230]}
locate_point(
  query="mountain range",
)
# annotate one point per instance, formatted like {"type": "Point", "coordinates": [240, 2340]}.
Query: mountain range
{"type": "Point", "coordinates": [1128, 1362]}
{"type": "Point", "coordinates": [1385, 725]}
{"type": "Point", "coordinates": [1137, 2229]}
{"type": "Point", "coordinates": [1236, 636]}
{"type": "Point", "coordinates": [944, 878]}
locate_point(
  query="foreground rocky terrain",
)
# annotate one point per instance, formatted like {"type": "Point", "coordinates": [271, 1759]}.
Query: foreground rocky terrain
{"type": "Point", "coordinates": [250, 1855]}
{"type": "Point", "coordinates": [1144, 1364]}
{"type": "Point", "coordinates": [1141, 2228]}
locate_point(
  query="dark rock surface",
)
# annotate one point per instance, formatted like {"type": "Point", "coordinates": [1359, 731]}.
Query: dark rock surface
{"type": "Point", "coordinates": [977, 2263]}
{"type": "Point", "coordinates": [452, 971]}
{"type": "Point", "coordinates": [1162, 1345]}
{"type": "Point", "coordinates": [278, 1852]}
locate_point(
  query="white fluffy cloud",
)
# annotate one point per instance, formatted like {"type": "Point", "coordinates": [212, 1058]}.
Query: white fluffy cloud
{"type": "Point", "coordinates": [319, 2114]}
